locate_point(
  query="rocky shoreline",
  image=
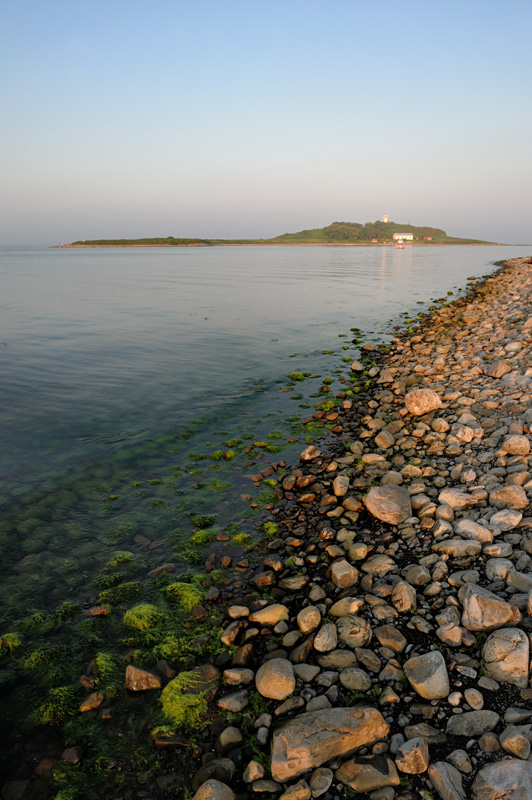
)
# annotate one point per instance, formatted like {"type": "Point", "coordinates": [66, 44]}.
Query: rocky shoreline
{"type": "Point", "coordinates": [390, 655]}
{"type": "Point", "coordinates": [377, 642]}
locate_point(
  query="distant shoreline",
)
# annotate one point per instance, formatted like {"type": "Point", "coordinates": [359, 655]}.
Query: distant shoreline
{"type": "Point", "coordinates": [290, 244]}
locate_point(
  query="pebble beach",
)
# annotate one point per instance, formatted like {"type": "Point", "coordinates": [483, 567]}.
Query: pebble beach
{"type": "Point", "coordinates": [388, 656]}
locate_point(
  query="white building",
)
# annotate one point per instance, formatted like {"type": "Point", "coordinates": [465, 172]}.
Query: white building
{"type": "Point", "coordinates": [403, 237]}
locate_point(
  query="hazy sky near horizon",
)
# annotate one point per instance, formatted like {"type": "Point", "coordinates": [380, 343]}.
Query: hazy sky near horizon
{"type": "Point", "coordinates": [239, 119]}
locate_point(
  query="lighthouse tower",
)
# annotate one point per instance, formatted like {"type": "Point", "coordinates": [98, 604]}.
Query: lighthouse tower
{"type": "Point", "coordinates": [385, 218]}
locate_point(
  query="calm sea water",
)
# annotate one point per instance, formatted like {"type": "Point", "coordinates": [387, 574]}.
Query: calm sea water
{"type": "Point", "coordinates": [114, 361]}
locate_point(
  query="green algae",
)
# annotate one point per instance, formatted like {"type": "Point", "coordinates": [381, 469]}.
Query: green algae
{"type": "Point", "coordinates": [142, 617]}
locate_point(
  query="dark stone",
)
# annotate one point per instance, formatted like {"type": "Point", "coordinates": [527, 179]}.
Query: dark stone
{"type": "Point", "coordinates": [221, 769]}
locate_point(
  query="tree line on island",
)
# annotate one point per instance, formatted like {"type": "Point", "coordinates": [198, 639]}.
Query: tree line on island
{"type": "Point", "coordinates": [338, 233]}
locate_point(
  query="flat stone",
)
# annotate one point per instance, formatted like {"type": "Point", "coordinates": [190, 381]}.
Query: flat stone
{"type": "Point", "coordinates": [275, 679]}
{"type": "Point", "coordinates": [458, 548]}
{"type": "Point", "coordinates": [510, 779]}
{"type": "Point", "coordinates": [270, 615]}
{"type": "Point", "coordinates": [413, 756]}
{"type": "Point", "coordinates": [472, 723]}
{"type": "Point", "coordinates": [368, 773]}
{"type": "Point", "coordinates": [425, 731]}
{"type": "Point", "coordinates": [422, 401]}
{"type": "Point", "coordinates": [457, 499]}
{"type": "Point", "coordinates": [427, 674]}
{"type": "Point", "coordinates": [484, 611]}
{"type": "Point", "coordinates": [389, 503]}
{"type": "Point", "coordinates": [506, 656]}
{"type": "Point", "coordinates": [338, 659]}
{"type": "Point", "coordinates": [313, 738]}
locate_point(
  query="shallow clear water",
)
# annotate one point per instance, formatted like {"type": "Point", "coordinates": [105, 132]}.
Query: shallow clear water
{"type": "Point", "coordinates": [116, 363]}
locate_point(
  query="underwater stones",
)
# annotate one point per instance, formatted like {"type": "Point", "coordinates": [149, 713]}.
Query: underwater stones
{"type": "Point", "coordinates": [275, 679]}
{"type": "Point", "coordinates": [139, 680]}
{"type": "Point", "coordinates": [389, 503]}
{"type": "Point", "coordinates": [422, 401]}
{"type": "Point", "coordinates": [310, 453]}
{"type": "Point", "coordinates": [313, 738]}
{"type": "Point", "coordinates": [485, 611]}
{"type": "Point", "coordinates": [427, 674]}
{"type": "Point", "coordinates": [506, 656]}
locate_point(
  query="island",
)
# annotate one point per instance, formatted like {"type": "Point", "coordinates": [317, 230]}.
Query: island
{"type": "Point", "coordinates": [376, 233]}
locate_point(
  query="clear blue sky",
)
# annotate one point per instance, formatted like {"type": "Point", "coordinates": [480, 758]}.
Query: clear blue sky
{"type": "Point", "coordinates": [224, 119]}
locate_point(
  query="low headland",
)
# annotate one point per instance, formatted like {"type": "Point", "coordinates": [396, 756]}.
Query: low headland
{"type": "Point", "coordinates": [338, 233]}
{"type": "Point", "coordinates": [379, 643]}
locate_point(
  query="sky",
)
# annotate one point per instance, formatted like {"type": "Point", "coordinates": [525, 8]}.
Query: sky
{"type": "Point", "coordinates": [128, 118]}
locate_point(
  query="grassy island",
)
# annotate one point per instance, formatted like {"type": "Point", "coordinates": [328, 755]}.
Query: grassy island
{"type": "Point", "coordinates": [338, 233]}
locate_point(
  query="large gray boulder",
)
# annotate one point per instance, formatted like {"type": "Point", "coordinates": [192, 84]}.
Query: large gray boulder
{"type": "Point", "coordinates": [311, 739]}
{"type": "Point", "coordinates": [510, 779]}
{"type": "Point", "coordinates": [389, 503]}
